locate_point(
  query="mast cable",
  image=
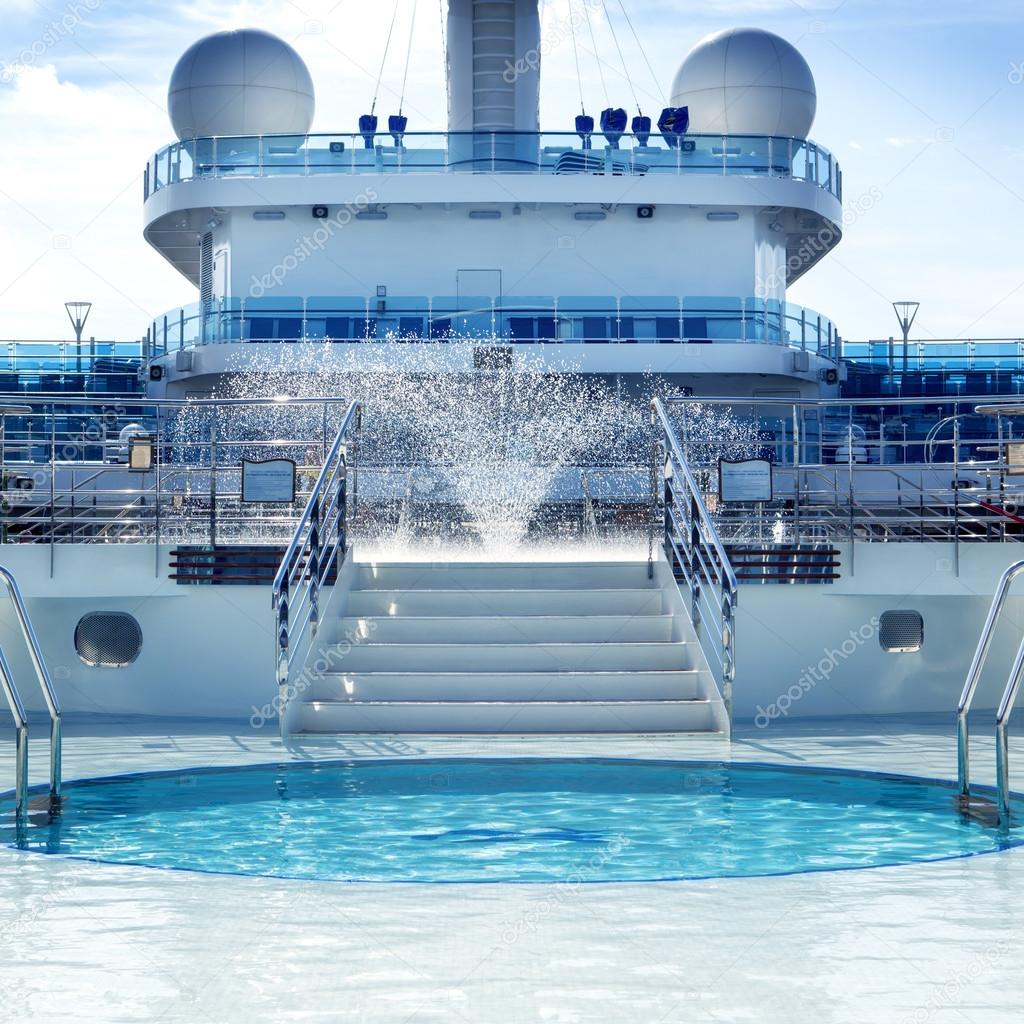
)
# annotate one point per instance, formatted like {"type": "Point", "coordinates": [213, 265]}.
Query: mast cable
{"type": "Point", "coordinates": [597, 56]}
{"type": "Point", "coordinates": [387, 46]}
{"type": "Point", "coordinates": [643, 52]}
{"type": "Point", "coordinates": [576, 55]}
{"type": "Point", "coordinates": [444, 43]}
{"type": "Point", "coordinates": [622, 60]}
{"type": "Point", "coordinates": [408, 58]}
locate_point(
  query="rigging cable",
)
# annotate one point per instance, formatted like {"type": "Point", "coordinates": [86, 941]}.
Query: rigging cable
{"type": "Point", "coordinates": [444, 42]}
{"type": "Point", "coordinates": [597, 56]}
{"type": "Point", "coordinates": [576, 55]}
{"type": "Point", "coordinates": [643, 52]}
{"type": "Point", "coordinates": [387, 46]}
{"type": "Point", "coordinates": [622, 60]}
{"type": "Point", "coordinates": [408, 58]}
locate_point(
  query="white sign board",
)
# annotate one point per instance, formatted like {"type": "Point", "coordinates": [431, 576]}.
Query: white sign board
{"type": "Point", "coordinates": [1014, 458]}
{"type": "Point", "coordinates": [746, 480]}
{"type": "Point", "coordinates": [270, 481]}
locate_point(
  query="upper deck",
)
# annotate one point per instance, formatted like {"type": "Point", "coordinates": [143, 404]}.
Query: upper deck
{"type": "Point", "coordinates": [520, 153]}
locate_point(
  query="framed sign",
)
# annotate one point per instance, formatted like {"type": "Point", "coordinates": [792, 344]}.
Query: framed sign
{"type": "Point", "coordinates": [269, 481]}
{"type": "Point", "coordinates": [1015, 458]}
{"type": "Point", "coordinates": [745, 480]}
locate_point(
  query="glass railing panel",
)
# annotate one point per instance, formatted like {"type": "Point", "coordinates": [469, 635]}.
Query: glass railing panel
{"type": "Point", "coordinates": [495, 152]}
{"type": "Point", "coordinates": [283, 155]}
{"type": "Point", "coordinates": [462, 316]}
{"type": "Point", "coordinates": [273, 318]}
{"type": "Point", "coordinates": [528, 318]}
{"type": "Point", "coordinates": [238, 156]}
{"type": "Point", "coordinates": [402, 318]}
{"type": "Point", "coordinates": [592, 319]}
{"type": "Point", "coordinates": [330, 154]}
{"type": "Point", "coordinates": [649, 319]}
{"type": "Point", "coordinates": [763, 321]}
{"type": "Point", "coordinates": [712, 318]}
{"type": "Point", "coordinates": [803, 161]}
{"type": "Point", "coordinates": [337, 318]}
{"type": "Point", "coordinates": [749, 155]}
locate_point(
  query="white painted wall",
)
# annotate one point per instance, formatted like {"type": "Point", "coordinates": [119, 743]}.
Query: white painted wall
{"type": "Point", "coordinates": [208, 651]}
{"type": "Point", "coordinates": [542, 252]}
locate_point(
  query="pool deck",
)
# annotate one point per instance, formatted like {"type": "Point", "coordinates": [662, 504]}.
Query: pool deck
{"type": "Point", "coordinates": [98, 943]}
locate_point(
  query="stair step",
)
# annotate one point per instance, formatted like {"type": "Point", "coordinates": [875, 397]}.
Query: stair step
{"type": "Point", "coordinates": [465, 603]}
{"type": "Point", "coordinates": [356, 687]}
{"type": "Point", "coordinates": [545, 657]}
{"type": "Point", "coordinates": [501, 575]}
{"type": "Point", "coordinates": [510, 717]}
{"type": "Point", "coordinates": [502, 629]}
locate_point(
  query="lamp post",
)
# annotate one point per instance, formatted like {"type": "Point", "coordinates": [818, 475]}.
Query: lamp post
{"type": "Point", "coordinates": [905, 313]}
{"type": "Point", "coordinates": [78, 313]}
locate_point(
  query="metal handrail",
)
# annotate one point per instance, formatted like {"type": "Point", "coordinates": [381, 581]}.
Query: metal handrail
{"type": "Point", "coordinates": [320, 535]}
{"type": "Point", "coordinates": [696, 546]}
{"type": "Point", "coordinates": [971, 685]}
{"type": "Point", "coordinates": [21, 728]}
{"type": "Point", "coordinates": [17, 708]}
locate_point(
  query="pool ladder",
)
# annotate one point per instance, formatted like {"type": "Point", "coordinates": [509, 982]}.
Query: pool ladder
{"type": "Point", "coordinates": [1005, 710]}
{"type": "Point", "coordinates": [14, 702]}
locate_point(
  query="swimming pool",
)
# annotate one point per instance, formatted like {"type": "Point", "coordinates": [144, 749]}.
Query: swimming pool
{"type": "Point", "coordinates": [509, 820]}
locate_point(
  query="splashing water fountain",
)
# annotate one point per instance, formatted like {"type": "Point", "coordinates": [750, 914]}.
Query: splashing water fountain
{"type": "Point", "coordinates": [464, 459]}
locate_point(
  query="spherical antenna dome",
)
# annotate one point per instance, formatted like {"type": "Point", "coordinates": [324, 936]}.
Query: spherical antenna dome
{"type": "Point", "coordinates": [245, 82]}
{"type": "Point", "coordinates": [745, 81]}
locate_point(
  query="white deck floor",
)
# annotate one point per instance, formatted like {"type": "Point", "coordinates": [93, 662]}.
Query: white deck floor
{"type": "Point", "coordinates": [935, 942]}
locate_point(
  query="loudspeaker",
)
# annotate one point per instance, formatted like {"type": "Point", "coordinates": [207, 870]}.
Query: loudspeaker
{"type": "Point", "coordinates": [156, 372]}
{"type": "Point", "coordinates": [645, 212]}
{"type": "Point", "coordinates": [321, 212]}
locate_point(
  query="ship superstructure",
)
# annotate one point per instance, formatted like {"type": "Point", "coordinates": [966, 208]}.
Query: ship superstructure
{"type": "Point", "coordinates": [662, 247]}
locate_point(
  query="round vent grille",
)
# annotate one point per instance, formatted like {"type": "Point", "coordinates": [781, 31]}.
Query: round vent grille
{"type": "Point", "coordinates": [901, 632]}
{"type": "Point", "coordinates": [108, 639]}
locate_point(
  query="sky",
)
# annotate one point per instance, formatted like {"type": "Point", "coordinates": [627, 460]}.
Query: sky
{"type": "Point", "coordinates": [922, 102]}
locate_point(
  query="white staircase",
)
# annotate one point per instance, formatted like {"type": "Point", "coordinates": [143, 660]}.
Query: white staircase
{"type": "Point", "coordinates": [507, 648]}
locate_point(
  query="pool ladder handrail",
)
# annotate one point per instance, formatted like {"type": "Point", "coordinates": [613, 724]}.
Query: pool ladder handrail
{"type": "Point", "coordinates": [17, 707]}
{"type": "Point", "coordinates": [1010, 692]}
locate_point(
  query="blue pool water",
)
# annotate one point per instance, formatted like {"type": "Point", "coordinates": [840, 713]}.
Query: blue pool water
{"type": "Point", "coordinates": [509, 821]}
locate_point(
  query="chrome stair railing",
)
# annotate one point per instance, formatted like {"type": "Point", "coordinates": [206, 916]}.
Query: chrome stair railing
{"type": "Point", "coordinates": [1013, 684]}
{"type": "Point", "coordinates": [17, 708]}
{"type": "Point", "coordinates": [319, 538]}
{"type": "Point", "coordinates": [693, 543]}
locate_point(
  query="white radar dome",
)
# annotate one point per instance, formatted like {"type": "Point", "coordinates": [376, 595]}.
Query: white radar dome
{"type": "Point", "coordinates": [745, 81]}
{"type": "Point", "coordinates": [245, 82]}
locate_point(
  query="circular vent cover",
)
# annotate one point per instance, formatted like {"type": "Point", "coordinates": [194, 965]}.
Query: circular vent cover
{"type": "Point", "coordinates": [108, 639]}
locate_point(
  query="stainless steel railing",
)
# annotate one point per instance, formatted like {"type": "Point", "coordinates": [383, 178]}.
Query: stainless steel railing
{"type": "Point", "coordinates": [18, 709]}
{"type": "Point", "coordinates": [319, 538]}
{"type": "Point", "coordinates": [1005, 705]}
{"type": "Point", "coordinates": [693, 544]}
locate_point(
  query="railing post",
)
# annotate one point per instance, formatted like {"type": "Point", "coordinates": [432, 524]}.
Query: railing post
{"type": "Point", "coordinates": [281, 638]}
{"type": "Point", "coordinates": [728, 643]}
{"type": "Point", "coordinates": [213, 481]}
{"type": "Point", "coordinates": [693, 557]}
{"type": "Point", "coordinates": [956, 495]}
{"type": "Point", "coordinates": [342, 517]}
{"type": "Point", "coordinates": [313, 564]}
